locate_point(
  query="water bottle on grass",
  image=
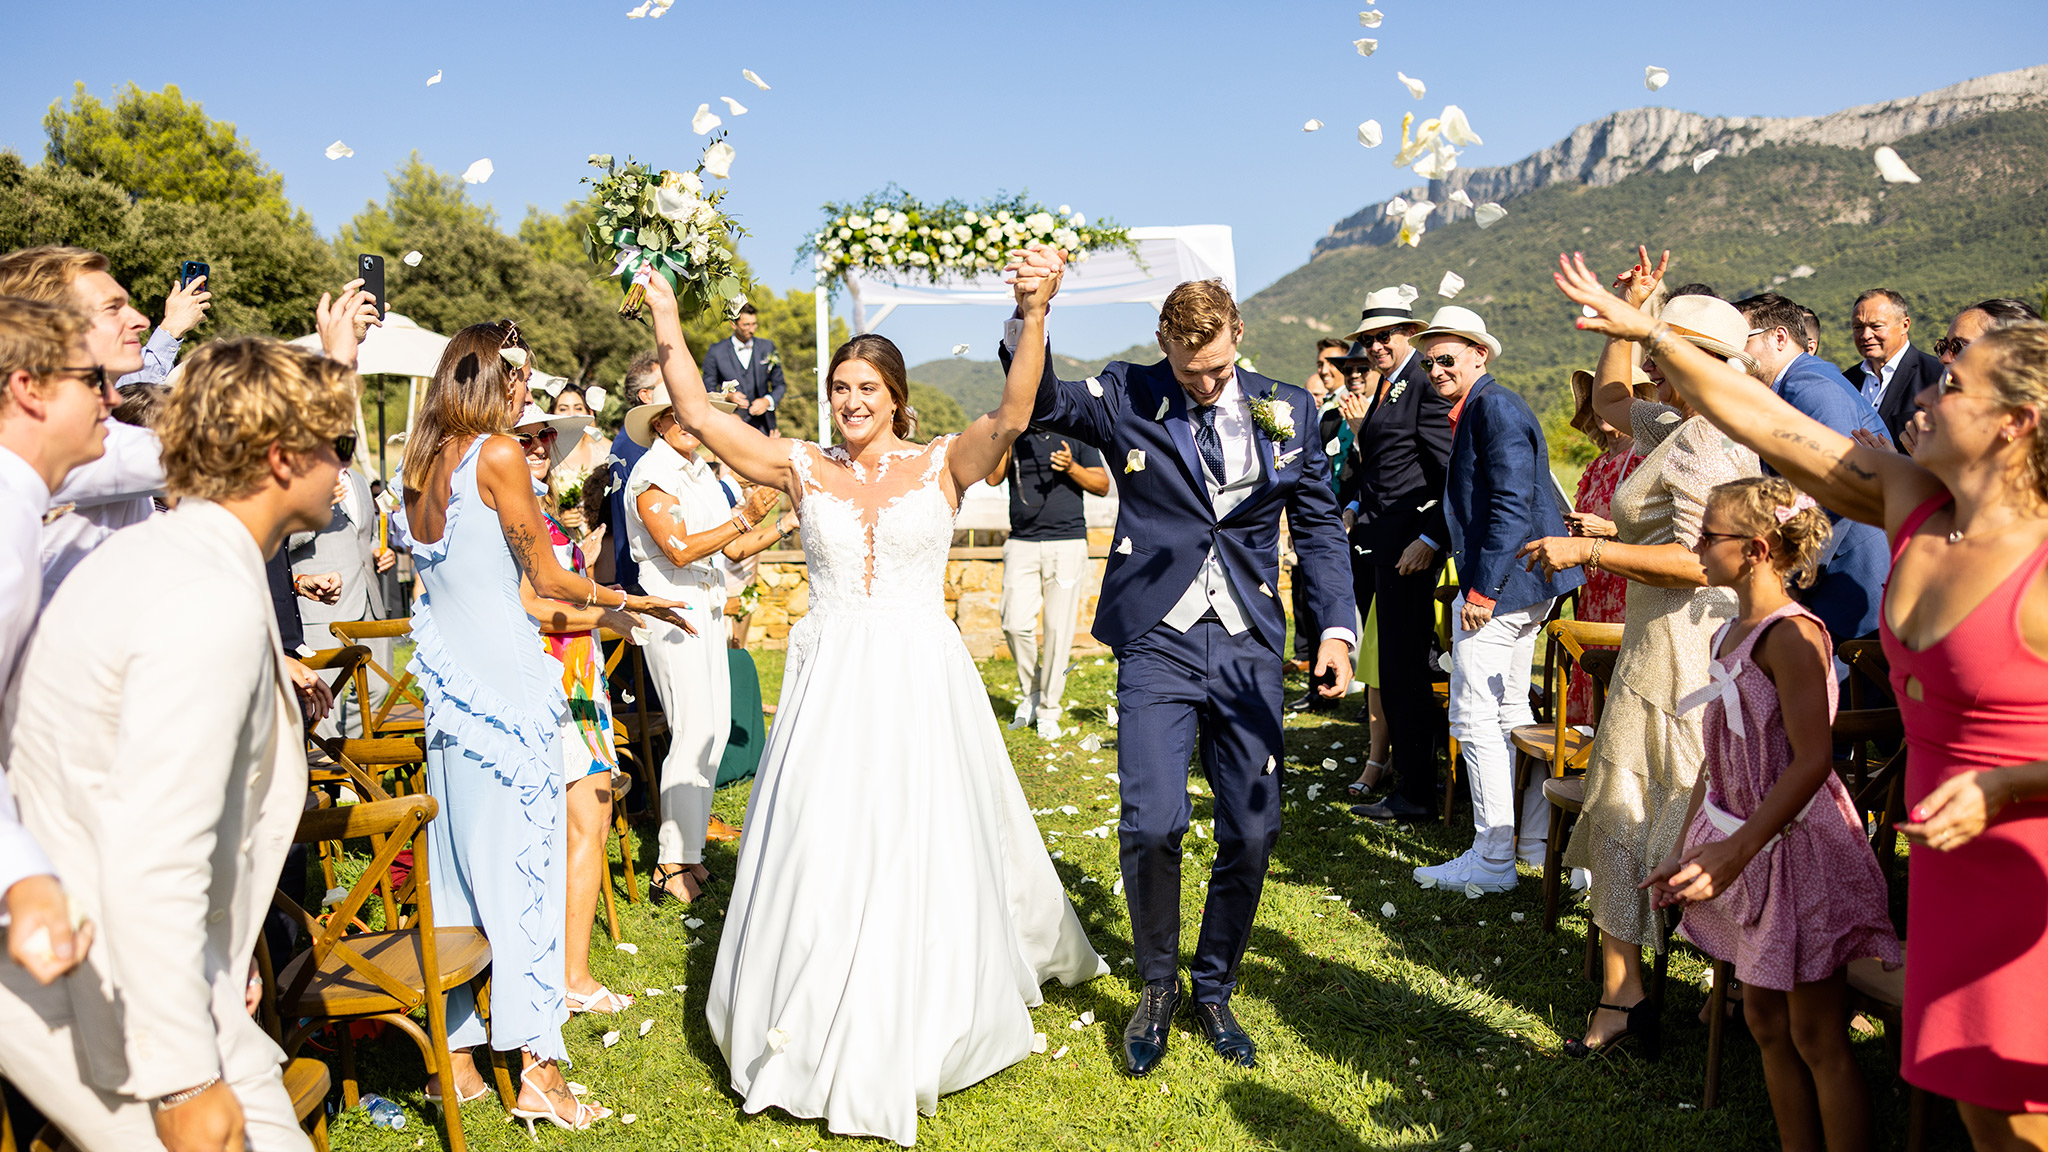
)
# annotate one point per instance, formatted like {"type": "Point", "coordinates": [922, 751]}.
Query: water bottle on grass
{"type": "Point", "coordinates": [383, 1113]}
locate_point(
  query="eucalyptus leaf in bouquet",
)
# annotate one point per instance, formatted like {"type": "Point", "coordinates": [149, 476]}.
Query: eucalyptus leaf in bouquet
{"type": "Point", "coordinates": [669, 224]}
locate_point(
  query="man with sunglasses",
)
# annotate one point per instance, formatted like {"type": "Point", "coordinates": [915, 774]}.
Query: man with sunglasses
{"type": "Point", "coordinates": [1394, 499]}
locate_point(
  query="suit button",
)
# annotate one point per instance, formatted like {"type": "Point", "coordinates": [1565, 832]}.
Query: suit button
{"type": "Point", "coordinates": [216, 916]}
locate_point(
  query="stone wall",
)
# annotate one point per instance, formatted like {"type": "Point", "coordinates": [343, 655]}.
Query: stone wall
{"type": "Point", "coordinates": [974, 597]}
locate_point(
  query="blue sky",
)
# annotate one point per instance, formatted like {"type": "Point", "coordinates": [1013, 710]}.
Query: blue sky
{"type": "Point", "coordinates": [1154, 113]}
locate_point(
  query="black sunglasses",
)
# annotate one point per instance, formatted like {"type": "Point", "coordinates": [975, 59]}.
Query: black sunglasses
{"type": "Point", "coordinates": [1383, 336]}
{"type": "Point", "coordinates": [1446, 360]}
{"type": "Point", "coordinates": [545, 436]}
{"type": "Point", "coordinates": [1950, 346]}
{"type": "Point", "coordinates": [345, 446]}
{"type": "Point", "coordinates": [93, 374]}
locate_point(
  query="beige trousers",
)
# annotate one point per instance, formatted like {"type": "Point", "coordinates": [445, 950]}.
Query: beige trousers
{"type": "Point", "coordinates": [1048, 575]}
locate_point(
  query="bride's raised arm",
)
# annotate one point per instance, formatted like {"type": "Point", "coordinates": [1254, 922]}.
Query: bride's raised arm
{"type": "Point", "coordinates": [978, 450]}
{"type": "Point", "coordinates": [749, 451]}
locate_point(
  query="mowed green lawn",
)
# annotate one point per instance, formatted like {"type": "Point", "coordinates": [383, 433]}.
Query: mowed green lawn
{"type": "Point", "coordinates": [1435, 1026]}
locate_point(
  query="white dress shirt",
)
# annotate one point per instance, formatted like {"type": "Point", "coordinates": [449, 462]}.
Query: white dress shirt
{"type": "Point", "coordinates": [1242, 470]}
{"type": "Point", "coordinates": [23, 501]}
{"type": "Point", "coordinates": [744, 353]}
{"type": "Point", "coordinates": [1875, 382]}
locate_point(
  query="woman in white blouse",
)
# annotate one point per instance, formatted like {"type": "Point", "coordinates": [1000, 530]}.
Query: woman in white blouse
{"type": "Point", "coordinates": [679, 519]}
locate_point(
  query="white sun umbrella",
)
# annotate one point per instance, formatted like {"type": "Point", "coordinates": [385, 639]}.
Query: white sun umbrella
{"type": "Point", "coordinates": [398, 347]}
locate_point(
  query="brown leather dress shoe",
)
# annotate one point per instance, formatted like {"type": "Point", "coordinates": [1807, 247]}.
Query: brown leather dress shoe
{"type": "Point", "coordinates": [720, 830]}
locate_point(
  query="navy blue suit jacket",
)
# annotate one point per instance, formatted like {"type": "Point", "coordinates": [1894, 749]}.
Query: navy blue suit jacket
{"type": "Point", "coordinates": [761, 377]}
{"type": "Point", "coordinates": [1164, 513]}
{"type": "Point", "coordinates": [1499, 496]}
{"type": "Point", "coordinates": [1397, 468]}
{"type": "Point", "coordinates": [1916, 371]}
{"type": "Point", "coordinates": [625, 454]}
{"type": "Point", "coordinates": [1853, 571]}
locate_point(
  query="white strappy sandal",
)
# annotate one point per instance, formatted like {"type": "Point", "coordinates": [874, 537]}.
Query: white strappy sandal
{"type": "Point", "coordinates": [584, 1116]}
{"type": "Point", "coordinates": [603, 1002]}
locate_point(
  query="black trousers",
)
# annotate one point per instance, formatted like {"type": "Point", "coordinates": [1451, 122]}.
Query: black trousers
{"type": "Point", "coordinates": [1407, 621]}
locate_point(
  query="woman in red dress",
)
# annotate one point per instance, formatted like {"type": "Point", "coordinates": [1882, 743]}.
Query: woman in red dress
{"type": "Point", "coordinates": [1965, 624]}
{"type": "Point", "coordinates": [1605, 595]}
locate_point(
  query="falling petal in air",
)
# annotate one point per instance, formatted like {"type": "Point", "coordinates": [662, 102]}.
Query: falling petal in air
{"type": "Point", "coordinates": [718, 159]}
{"type": "Point", "coordinates": [1893, 169]}
{"type": "Point", "coordinates": [1397, 205]}
{"type": "Point", "coordinates": [1416, 88]}
{"type": "Point", "coordinates": [705, 120]}
{"type": "Point", "coordinates": [1655, 77]}
{"type": "Point", "coordinates": [478, 172]}
{"type": "Point", "coordinates": [338, 150]}
{"type": "Point", "coordinates": [434, 79]}
{"type": "Point", "coordinates": [1487, 215]}
{"type": "Point", "coordinates": [1369, 134]}
{"type": "Point", "coordinates": [641, 11]}
{"type": "Point", "coordinates": [1369, 18]}
{"type": "Point", "coordinates": [1365, 46]}
{"type": "Point", "coordinates": [1312, 126]}
{"type": "Point", "coordinates": [1460, 198]}
{"type": "Point", "coordinates": [1456, 128]}
{"type": "Point", "coordinates": [1451, 286]}
{"type": "Point", "coordinates": [733, 106]}
{"type": "Point", "coordinates": [747, 74]}
{"type": "Point", "coordinates": [960, 349]}
{"type": "Point", "coordinates": [1705, 158]}
{"type": "Point", "coordinates": [412, 259]}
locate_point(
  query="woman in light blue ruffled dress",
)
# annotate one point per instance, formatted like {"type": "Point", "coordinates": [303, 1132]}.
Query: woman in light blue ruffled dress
{"type": "Point", "coordinates": [495, 710]}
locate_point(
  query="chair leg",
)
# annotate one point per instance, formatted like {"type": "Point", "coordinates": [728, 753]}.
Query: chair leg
{"type": "Point", "coordinates": [1589, 967]}
{"type": "Point", "coordinates": [319, 1133]}
{"type": "Point", "coordinates": [451, 1096]}
{"type": "Point", "coordinates": [625, 854]}
{"type": "Point", "coordinates": [507, 1094]}
{"type": "Point", "coordinates": [1552, 882]}
{"type": "Point", "coordinates": [1717, 1002]}
{"type": "Point", "coordinates": [1916, 1119]}
{"type": "Point", "coordinates": [350, 1095]}
{"type": "Point", "coordinates": [611, 907]}
{"type": "Point", "coordinates": [1451, 780]}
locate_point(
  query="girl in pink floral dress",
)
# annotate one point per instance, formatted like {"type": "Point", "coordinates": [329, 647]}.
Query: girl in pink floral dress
{"type": "Point", "coordinates": [1774, 869]}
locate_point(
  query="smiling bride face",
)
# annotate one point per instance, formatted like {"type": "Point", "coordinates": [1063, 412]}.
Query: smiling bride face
{"type": "Point", "coordinates": [869, 391]}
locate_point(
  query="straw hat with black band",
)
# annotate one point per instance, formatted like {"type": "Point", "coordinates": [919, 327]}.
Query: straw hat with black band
{"type": "Point", "coordinates": [1711, 324]}
{"type": "Point", "coordinates": [640, 421]}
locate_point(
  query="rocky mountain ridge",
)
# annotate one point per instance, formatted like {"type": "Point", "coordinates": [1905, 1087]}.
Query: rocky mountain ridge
{"type": "Point", "coordinates": [1624, 143]}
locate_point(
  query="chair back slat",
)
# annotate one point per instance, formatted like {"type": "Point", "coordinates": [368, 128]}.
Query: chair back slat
{"type": "Point", "coordinates": [391, 825]}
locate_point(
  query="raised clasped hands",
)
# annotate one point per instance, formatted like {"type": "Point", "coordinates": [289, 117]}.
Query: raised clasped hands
{"type": "Point", "coordinates": [1035, 272]}
{"type": "Point", "coordinates": [1612, 316]}
{"type": "Point", "coordinates": [1554, 554]}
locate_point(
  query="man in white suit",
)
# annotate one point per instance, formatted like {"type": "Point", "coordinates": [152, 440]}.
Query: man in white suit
{"type": "Point", "coordinates": [158, 761]}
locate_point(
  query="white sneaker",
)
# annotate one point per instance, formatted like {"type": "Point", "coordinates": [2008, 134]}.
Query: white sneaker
{"type": "Point", "coordinates": [1025, 715]}
{"type": "Point", "coordinates": [1049, 726]}
{"type": "Point", "coordinates": [1468, 869]}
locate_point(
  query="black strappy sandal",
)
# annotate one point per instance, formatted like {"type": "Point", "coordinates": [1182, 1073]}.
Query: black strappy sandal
{"type": "Point", "coordinates": [1642, 1027]}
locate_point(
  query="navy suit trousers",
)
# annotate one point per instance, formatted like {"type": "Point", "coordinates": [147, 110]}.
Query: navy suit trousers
{"type": "Point", "coordinates": [1208, 691]}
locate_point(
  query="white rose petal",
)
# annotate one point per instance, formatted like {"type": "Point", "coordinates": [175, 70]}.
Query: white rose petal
{"type": "Point", "coordinates": [1460, 197]}
{"type": "Point", "coordinates": [778, 1039]}
{"type": "Point", "coordinates": [1110, 713]}
{"type": "Point", "coordinates": [705, 120]}
{"type": "Point", "coordinates": [1370, 18]}
{"type": "Point", "coordinates": [1088, 1017]}
{"type": "Point", "coordinates": [1329, 764]}
{"type": "Point", "coordinates": [628, 1117]}
{"type": "Point", "coordinates": [1387, 909]}
{"type": "Point", "coordinates": [1164, 404]}
{"type": "Point", "coordinates": [1703, 159]}
{"type": "Point", "coordinates": [718, 159]}
{"type": "Point", "coordinates": [1095, 387]}
{"type": "Point", "coordinates": [1893, 169]}
{"type": "Point", "coordinates": [1134, 462]}
{"type": "Point", "coordinates": [961, 349]}
{"type": "Point", "coordinates": [693, 923]}
{"type": "Point", "coordinates": [646, 1026]}
{"type": "Point", "coordinates": [611, 1038]}
{"type": "Point", "coordinates": [1060, 1053]}
{"type": "Point", "coordinates": [1416, 88]}
{"type": "Point", "coordinates": [1369, 134]}
{"type": "Point", "coordinates": [1038, 1042]}
{"type": "Point", "coordinates": [1517, 917]}
{"type": "Point", "coordinates": [576, 1089]}
{"type": "Point", "coordinates": [412, 259]}
{"type": "Point", "coordinates": [334, 896]}
{"type": "Point", "coordinates": [1397, 205]}
{"type": "Point", "coordinates": [1451, 286]}
{"type": "Point", "coordinates": [1456, 128]}
{"type": "Point", "coordinates": [654, 991]}
{"type": "Point", "coordinates": [1487, 215]}
{"type": "Point", "coordinates": [734, 107]}
{"type": "Point", "coordinates": [628, 947]}
{"type": "Point", "coordinates": [338, 150]}
{"type": "Point", "coordinates": [1655, 77]}
{"type": "Point", "coordinates": [747, 74]}
{"type": "Point", "coordinates": [478, 173]}
{"type": "Point", "coordinates": [679, 988]}
{"type": "Point", "coordinates": [1091, 743]}
{"type": "Point", "coordinates": [1312, 126]}
{"type": "Point", "coordinates": [1366, 46]}
{"type": "Point", "coordinates": [435, 78]}
{"type": "Point", "coordinates": [1473, 891]}
{"type": "Point", "coordinates": [641, 11]}
{"type": "Point", "coordinates": [1271, 763]}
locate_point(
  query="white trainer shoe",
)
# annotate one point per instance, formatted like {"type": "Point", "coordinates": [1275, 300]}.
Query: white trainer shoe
{"type": "Point", "coordinates": [1025, 716]}
{"type": "Point", "coordinates": [1471, 869]}
{"type": "Point", "coordinates": [1049, 726]}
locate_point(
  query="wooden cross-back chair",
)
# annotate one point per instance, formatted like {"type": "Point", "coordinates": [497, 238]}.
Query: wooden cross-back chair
{"type": "Point", "coordinates": [1552, 743]}
{"type": "Point", "coordinates": [386, 975]}
{"type": "Point", "coordinates": [306, 1080]}
{"type": "Point", "coordinates": [402, 708]}
{"type": "Point", "coordinates": [1564, 750]}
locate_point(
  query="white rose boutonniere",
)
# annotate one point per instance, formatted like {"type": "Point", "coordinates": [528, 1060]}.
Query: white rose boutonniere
{"type": "Point", "coordinates": [1275, 418]}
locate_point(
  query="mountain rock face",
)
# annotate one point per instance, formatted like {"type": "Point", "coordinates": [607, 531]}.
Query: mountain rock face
{"type": "Point", "coordinates": [1620, 145]}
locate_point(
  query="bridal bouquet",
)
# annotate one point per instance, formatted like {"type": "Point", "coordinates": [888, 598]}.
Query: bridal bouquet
{"type": "Point", "coordinates": [892, 231]}
{"type": "Point", "coordinates": [665, 223]}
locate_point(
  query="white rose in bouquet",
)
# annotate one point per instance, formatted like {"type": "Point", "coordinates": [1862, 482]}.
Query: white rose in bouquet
{"type": "Point", "coordinates": [1066, 238]}
{"type": "Point", "coordinates": [963, 233]}
{"type": "Point", "coordinates": [857, 221]}
{"type": "Point", "coordinates": [676, 204]}
{"type": "Point", "coordinates": [1039, 223]}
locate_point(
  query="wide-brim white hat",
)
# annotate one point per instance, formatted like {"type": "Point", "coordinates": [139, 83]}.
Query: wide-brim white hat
{"type": "Point", "coordinates": [640, 421]}
{"type": "Point", "coordinates": [568, 430]}
{"type": "Point", "coordinates": [1712, 324]}
{"type": "Point", "coordinates": [1385, 309]}
{"type": "Point", "coordinates": [1456, 321]}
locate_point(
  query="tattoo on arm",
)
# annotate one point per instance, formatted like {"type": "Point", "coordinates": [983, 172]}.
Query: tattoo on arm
{"type": "Point", "coordinates": [1858, 471]}
{"type": "Point", "coordinates": [522, 543]}
{"type": "Point", "coordinates": [1796, 438]}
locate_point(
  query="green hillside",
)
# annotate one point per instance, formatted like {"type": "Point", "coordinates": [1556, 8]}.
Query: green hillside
{"type": "Point", "coordinates": [1976, 226]}
{"type": "Point", "coordinates": [977, 384]}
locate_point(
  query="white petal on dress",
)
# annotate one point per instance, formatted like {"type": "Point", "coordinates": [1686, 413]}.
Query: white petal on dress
{"type": "Point", "coordinates": [894, 910]}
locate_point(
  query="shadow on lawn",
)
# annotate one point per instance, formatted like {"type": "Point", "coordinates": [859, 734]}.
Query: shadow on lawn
{"type": "Point", "coordinates": [1283, 1120]}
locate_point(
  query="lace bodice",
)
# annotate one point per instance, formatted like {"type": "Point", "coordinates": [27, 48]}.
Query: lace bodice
{"type": "Point", "coordinates": [874, 542]}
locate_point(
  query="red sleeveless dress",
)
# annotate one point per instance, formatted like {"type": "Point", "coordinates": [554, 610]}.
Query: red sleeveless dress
{"type": "Point", "coordinates": [1976, 1014]}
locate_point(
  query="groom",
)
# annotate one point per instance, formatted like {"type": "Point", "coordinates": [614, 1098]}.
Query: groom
{"type": "Point", "coordinates": [1206, 457]}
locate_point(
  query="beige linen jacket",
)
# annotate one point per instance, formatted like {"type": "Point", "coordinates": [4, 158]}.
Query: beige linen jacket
{"type": "Point", "coordinates": [154, 746]}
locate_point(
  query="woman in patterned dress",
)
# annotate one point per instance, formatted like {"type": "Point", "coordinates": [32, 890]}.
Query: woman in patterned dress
{"type": "Point", "coordinates": [1605, 595]}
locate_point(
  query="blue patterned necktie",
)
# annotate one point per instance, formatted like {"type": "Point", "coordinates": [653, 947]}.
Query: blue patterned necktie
{"type": "Point", "coordinates": [1206, 442]}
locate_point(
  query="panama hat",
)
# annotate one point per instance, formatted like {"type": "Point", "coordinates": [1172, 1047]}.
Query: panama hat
{"type": "Point", "coordinates": [1711, 324]}
{"type": "Point", "coordinates": [640, 421]}
{"type": "Point", "coordinates": [568, 430]}
{"type": "Point", "coordinates": [1384, 309]}
{"type": "Point", "coordinates": [1463, 322]}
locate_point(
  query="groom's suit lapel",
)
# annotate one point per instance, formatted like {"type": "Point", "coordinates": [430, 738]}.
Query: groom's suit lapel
{"type": "Point", "coordinates": [1182, 432]}
{"type": "Point", "coordinates": [1262, 446]}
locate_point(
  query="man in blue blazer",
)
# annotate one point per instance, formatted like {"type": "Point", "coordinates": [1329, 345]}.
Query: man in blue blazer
{"type": "Point", "coordinates": [1498, 496]}
{"type": "Point", "coordinates": [1207, 456]}
{"type": "Point", "coordinates": [1850, 584]}
{"type": "Point", "coordinates": [749, 366]}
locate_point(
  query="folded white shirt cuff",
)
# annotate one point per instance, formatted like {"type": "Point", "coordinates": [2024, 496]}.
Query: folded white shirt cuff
{"type": "Point", "coordinates": [1344, 634]}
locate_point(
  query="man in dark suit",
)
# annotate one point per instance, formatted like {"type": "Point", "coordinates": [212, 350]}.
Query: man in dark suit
{"type": "Point", "coordinates": [1853, 570]}
{"type": "Point", "coordinates": [1209, 455]}
{"type": "Point", "coordinates": [1393, 500]}
{"type": "Point", "coordinates": [1891, 371]}
{"type": "Point", "coordinates": [1498, 496]}
{"type": "Point", "coordinates": [747, 365]}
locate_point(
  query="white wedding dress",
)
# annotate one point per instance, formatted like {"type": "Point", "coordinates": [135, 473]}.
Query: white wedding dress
{"type": "Point", "coordinates": [894, 911]}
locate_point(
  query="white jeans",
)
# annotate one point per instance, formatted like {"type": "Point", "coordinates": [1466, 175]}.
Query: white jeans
{"type": "Point", "coordinates": [1044, 574]}
{"type": "Point", "coordinates": [694, 682]}
{"type": "Point", "coordinates": [1489, 700]}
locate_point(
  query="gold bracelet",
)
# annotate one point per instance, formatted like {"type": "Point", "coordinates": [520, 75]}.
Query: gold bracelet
{"type": "Point", "coordinates": [1593, 561]}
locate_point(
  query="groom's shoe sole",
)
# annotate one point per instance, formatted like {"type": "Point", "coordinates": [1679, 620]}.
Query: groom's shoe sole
{"type": "Point", "coordinates": [1145, 1036]}
{"type": "Point", "coordinates": [1229, 1039]}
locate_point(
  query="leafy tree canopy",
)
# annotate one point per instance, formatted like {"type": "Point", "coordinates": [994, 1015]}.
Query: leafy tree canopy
{"type": "Point", "coordinates": [160, 146]}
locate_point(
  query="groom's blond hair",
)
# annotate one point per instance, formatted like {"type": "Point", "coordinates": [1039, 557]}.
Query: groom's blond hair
{"type": "Point", "coordinates": [1196, 312]}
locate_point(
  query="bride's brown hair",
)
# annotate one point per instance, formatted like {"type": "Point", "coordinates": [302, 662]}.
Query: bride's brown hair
{"type": "Point", "coordinates": [881, 354]}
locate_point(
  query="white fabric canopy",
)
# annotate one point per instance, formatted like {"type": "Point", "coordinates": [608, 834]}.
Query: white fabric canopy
{"type": "Point", "coordinates": [1166, 257]}
{"type": "Point", "coordinates": [398, 347]}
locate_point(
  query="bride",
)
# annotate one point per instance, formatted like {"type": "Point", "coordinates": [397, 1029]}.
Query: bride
{"type": "Point", "coordinates": [894, 912]}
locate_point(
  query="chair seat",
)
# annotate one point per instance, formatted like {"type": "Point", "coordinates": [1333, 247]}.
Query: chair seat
{"type": "Point", "coordinates": [1868, 977]}
{"type": "Point", "coordinates": [1540, 740]}
{"type": "Point", "coordinates": [307, 1082]}
{"type": "Point", "coordinates": [626, 725]}
{"type": "Point", "coordinates": [340, 990]}
{"type": "Point", "coordinates": [1566, 792]}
